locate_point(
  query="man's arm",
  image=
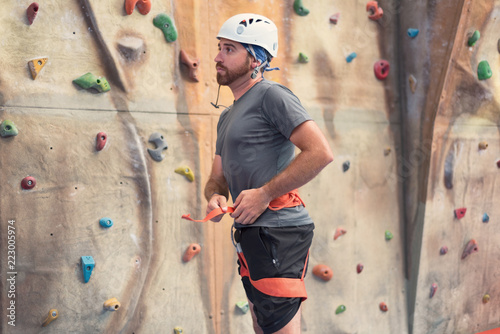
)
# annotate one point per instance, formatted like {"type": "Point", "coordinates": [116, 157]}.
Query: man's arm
{"type": "Point", "coordinates": [216, 189]}
{"type": "Point", "coordinates": [314, 156]}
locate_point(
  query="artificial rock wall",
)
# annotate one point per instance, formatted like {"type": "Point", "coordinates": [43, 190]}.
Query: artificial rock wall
{"type": "Point", "coordinates": [398, 147]}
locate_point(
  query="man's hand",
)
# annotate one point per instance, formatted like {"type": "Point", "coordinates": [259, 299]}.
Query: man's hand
{"type": "Point", "coordinates": [217, 201]}
{"type": "Point", "coordinates": [249, 205]}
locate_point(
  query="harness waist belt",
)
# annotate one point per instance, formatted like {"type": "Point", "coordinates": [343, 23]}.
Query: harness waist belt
{"type": "Point", "coordinates": [288, 200]}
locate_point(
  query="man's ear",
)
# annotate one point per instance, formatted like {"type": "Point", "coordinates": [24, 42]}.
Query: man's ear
{"type": "Point", "coordinates": [255, 63]}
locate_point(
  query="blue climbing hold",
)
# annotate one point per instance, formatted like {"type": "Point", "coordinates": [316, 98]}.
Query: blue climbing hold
{"type": "Point", "coordinates": [486, 218]}
{"type": "Point", "coordinates": [88, 265]}
{"type": "Point", "coordinates": [106, 222]}
{"type": "Point", "coordinates": [412, 32]}
{"type": "Point", "coordinates": [350, 57]}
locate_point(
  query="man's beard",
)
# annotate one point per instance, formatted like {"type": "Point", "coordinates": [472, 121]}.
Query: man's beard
{"type": "Point", "coordinates": [230, 76]}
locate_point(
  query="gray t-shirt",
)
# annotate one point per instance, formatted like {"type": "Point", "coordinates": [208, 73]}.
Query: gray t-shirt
{"type": "Point", "coordinates": [253, 142]}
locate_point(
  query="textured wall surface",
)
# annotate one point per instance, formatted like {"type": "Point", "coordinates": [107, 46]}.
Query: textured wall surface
{"type": "Point", "coordinates": [413, 159]}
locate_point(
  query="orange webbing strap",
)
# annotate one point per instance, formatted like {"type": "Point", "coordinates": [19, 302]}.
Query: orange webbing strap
{"type": "Point", "coordinates": [212, 214]}
{"type": "Point", "coordinates": [288, 200]}
{"type": "Point", "coordinates": [277, 286]}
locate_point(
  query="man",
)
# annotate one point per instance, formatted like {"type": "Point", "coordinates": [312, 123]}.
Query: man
{"type": "Point", "coordinates": [255, 162]}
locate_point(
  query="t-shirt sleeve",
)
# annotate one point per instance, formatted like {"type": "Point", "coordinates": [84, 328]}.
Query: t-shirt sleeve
{"type": "Point", "coordinates": [283, 109]}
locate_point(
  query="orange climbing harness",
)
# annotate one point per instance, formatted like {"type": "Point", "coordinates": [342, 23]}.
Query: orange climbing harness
{"type": "Point", "coordinates": [273, 286]}
{"type": "Point", "coordinates": [287, 200]}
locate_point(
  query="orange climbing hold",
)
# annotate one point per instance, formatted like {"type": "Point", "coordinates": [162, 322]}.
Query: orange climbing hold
{"type": "Point", "coordinates": [143, 6]}
{"type": "Point", "coordinates": [323, 271]}
{"type": "Point", "coordinates": [53, 314]}
{"type": "Point", "coordinates": [191, 251]}
{"type": "Point", "coordinates": [470, 248]}
{"type": "Point", "coordinates": [36, 66]}
{"type": "Point", "coordinates": [191, 63]}
{"type": "Point", "coordinates": [375, 10]}
{"type": "Point", "coordinates": [339, 232]}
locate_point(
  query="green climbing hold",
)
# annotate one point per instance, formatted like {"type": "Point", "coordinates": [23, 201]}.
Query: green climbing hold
{"type": "Point", "coordinates": [165, 24]}
{"type": "Point", "coordinates": [340, 309]}
{"type": "Point", "coordinates": [299, 8]}
{"type": "Point", "coordinates": [484, 70]}
{"type": "Point", "coordinates": [474, 38]}
{"type": "Point", "coordinates": [243, 306]}
{"type": "Point", "coordinates": [388, 235]}
{"type": "Point", "coordinates": [89, 80]}
{"type": "Point", "coordinates": [303, 58]}
{"type": "Point", "coordinates": [8, 129]}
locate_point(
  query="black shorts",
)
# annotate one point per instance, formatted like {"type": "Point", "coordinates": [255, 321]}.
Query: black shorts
{"type": "Point", "coordinates": [274, 252]}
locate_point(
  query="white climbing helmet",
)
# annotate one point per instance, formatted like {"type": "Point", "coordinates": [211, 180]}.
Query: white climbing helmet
{"type": "Point", "coordinates": [251, 29]}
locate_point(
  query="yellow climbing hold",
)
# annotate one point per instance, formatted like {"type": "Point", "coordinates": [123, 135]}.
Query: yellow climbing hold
{"type": "Point", "coordinates": [36, 66]}
{"type": "Point", "coordinates": [112, 304]}
{"type": "Point", "coordinates": [186, 171]}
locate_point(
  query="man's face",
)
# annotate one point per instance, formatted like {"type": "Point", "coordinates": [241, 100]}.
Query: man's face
{"type": "Point", "coordinates": [232, 62]}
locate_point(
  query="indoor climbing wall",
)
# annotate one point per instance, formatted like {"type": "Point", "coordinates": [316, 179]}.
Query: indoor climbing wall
{"type": "Point", "coordinates": [452, 156]}
{"type": "Point", "coordinates": [107, 139]}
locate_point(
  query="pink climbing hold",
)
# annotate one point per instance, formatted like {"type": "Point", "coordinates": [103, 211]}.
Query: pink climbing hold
{"type": "Point", "coordinates": [31, 12]}
{"type": "Point", "coordinates": [335, 18]}
{"type": "Point", "coordinates": [381, 69]}
{"type": "Point", "coordinates": [339, 232]}
{"type": "Point", "coordinates": [376, 12]}
{"type": "Point", "coordinates": [101, 140]}
{"type": "Point", "coordinates": [443, 250]}
{"type": "Point", "coordinates": [470, 248]}
{"type": "Point", "coordinates": [460, 213]}
{"type": "Point", "coordinates": [29, 182]}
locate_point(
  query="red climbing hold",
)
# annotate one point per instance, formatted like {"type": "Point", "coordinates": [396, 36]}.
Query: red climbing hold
{"type": "Point", "coordinates": [375, 10]}
{"type": "Point", "coordinates": [191, 251]}
{"type": "Point", "coordinates": [339, 232]}
{"type": "Point", "coordinates": [383, 307]}
{"type": "Point", "coordinates": [460, 213]}
{"type": "Point", "coordinates": [434, 288]}
{"type": "Point", "coordinates": [381, 69]}
{"type": "Point", "coordinates": [101, 141]}
{"type": "Point", "coordinates": [28, 182]}
{"type": "Point", "coordinates": [470, 248]}
{"type": "Point", "coordinates": [323, 271]}
{"type": "Point", "coordinates": [31, 12]}
{"type": "Point", "coordinates": [359, 268]}
{"type": "Point", "coordinates": [498, 163]}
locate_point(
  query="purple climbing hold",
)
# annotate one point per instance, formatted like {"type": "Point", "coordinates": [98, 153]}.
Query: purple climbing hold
{"type": "Point", "coordinates": [434, 288]}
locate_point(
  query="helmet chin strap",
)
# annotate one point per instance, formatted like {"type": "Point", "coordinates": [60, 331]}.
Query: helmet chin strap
{"type": "Point", "coordinates": [257, 69]}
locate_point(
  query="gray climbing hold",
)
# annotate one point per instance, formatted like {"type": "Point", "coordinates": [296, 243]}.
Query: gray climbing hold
{"type": "Point", "coordinates": [161, 144]}
{"type": "Point", "coordinates": [345, 166]}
